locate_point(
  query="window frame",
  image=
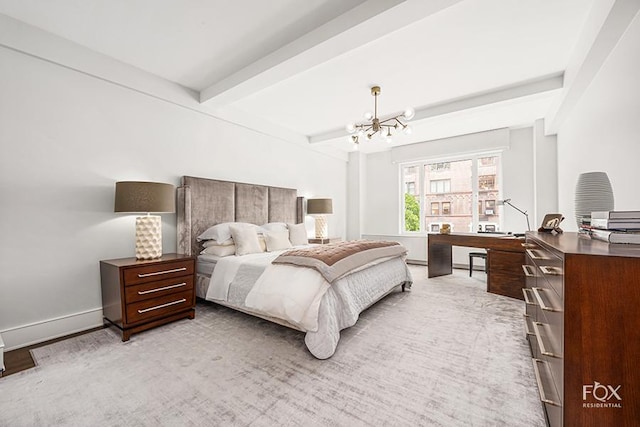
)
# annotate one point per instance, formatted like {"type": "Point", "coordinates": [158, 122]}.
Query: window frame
{"type": "Point", "coordinates": [475, 185]}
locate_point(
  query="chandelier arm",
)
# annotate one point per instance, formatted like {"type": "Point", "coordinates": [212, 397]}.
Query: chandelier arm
{"type": "Point", "coordinates": [399, 122]}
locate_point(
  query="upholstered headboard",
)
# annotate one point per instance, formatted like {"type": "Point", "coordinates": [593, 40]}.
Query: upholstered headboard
{"type": "Point", "coordinates": [204, 202]}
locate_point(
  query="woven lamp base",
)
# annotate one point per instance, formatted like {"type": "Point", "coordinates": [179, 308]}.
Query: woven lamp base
{"type": "Point", "coordinates": [148, 237]}
{"type": "Point", "coordinates": [322, 227]}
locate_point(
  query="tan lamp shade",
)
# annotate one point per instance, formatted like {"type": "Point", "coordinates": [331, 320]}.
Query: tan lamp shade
{"type": "Point", "coordinates": [146, 197]}
{"type": "Point", "coordinates": [320, 208]}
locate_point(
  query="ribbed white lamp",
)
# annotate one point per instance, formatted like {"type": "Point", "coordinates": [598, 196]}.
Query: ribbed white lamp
{"type": "Point", "coordinates": [146, 197]}
{"type": "Point", "coordinates": [319, 208]}
{"type": "Point", "coordinates": [593, 193]}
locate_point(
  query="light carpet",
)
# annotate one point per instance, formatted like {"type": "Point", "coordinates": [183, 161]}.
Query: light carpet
{"type": "Point", "coordinates": [446, 353]}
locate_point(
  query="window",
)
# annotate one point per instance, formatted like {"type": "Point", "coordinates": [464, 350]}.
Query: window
{"type": "Point", "coordinates": [460, 192]}
{"type": "Point", "coordinates": [440, 185]}
{"type": "Point", "coordinates": [411, 187]}
{"type": "Point", "coordinates": [489, 207]}
{"type": "Point", "coordinates": [446, 208]}
{"type": "Point", "coordinates": [445, 166]}
{"type": "Point", "coordinates": [487, 182]}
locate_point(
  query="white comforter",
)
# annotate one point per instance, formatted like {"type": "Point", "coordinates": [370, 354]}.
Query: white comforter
{"type": "Point", "coordinates": [282, 291]}
{"type": "Point", "coordinates": [301, 296]}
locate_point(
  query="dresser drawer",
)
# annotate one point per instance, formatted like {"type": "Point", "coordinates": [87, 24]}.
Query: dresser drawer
{"type": "Point", "coordinates": [548, 265]}
{"type": "Point", "coordinates": [159, 307]}
{"type": "Point", "coordinates": [149, 290]}
{"type": "Point", "coordinates": [154, 272]}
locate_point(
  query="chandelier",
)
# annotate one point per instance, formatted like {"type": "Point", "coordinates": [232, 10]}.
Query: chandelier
{"type": "Point", "coordinates": [376, 126]}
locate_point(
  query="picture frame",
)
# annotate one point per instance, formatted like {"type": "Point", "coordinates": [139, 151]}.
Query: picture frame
{"type": "Point", "coordinates": [551, 223]}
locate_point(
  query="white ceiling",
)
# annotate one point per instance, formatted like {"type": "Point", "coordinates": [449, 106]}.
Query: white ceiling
{"type": "Point", "coordinates": [306, 66]}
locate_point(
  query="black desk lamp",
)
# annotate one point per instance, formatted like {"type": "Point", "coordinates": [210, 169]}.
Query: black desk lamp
{"type": "Point", "coordinates": [508, 202]}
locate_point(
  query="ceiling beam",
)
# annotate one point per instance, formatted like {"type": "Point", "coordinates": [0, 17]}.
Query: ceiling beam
{"type": "Point", "coordinates": [605, 27]}
{"type": "Point", "coordinates": [369, 21]}
{"type": "Point", "coordinates": [511, 92]}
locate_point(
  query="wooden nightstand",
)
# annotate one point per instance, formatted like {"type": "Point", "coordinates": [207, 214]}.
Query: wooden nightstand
{"type": "Point", "coordinates": [325, 241]}
{"type": "Point", "coordinates": [140, 294]}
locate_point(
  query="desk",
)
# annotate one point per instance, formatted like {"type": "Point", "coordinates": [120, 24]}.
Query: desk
{"type": "Point", "coordinates": [505, 258]}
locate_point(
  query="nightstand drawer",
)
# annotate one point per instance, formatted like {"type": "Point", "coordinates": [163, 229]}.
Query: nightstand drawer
{"type": "Point", "coordinates": [159, 307]}
{"type": "Point", "coordinates": [155, 272]}
{"type": "Point", "coordinates": [157, 289]}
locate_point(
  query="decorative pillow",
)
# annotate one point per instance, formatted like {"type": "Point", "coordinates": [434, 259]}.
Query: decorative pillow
{"type": "Point", "coordinates": [220, 250]}
{"type": "Point", "coordinates": [263, 243]}
{"type": "Point", "coordinates": [277, 240]}
{"type": "Point", "coordinates": [298, 234]}
{"type": "Point", "coordinates": [274, 226]}
{"type": "Point", "coordinates": [207, 243]}
{"type": "Point", "coordinates": [245, 238]}
{"type": "Point", "coordinates": [221, 232]}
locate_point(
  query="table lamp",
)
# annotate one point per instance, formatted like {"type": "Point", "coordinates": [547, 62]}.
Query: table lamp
{"type": "Point", "coordinates": [508, 202]}
{"type": "Point", "coordinates": [319, 208]}
{"type": "Point", "coordinates": [146, 197]}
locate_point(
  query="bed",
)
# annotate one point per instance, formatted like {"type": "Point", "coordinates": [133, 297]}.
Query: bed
{"type": "Point", "coordinates": [264, 284]}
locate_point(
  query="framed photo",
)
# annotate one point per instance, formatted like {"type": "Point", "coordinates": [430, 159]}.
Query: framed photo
{"type": "Point", "coordinates": [551, 222]}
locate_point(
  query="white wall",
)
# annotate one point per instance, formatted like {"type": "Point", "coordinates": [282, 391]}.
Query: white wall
{"type": "Point", "coordinates": [66, 137]}
{"type": "Point", "coordinates": [602, 132]}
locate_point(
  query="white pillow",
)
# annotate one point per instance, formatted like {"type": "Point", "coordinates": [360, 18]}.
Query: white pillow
{"type": "Point", "coordinates": [207, 243]}
{"type": "Point", "coordinates": [298, 234]}
{"type": "Point", "coordinates": [221, 232]}
{"type": "Point", "coordinates": [274, 226]}
{"type": "Point", "coordinates": [220, 250]}
{"type": "Point", "coordinates": [245, 238]}
{"type": "Point", "coordinates": [277, 240]}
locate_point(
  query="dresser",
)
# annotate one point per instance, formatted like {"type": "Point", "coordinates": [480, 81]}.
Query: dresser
{"type": "Point", "coordinates": [582, 322]}
{"type": "Point", "coordinates": [141, 294]}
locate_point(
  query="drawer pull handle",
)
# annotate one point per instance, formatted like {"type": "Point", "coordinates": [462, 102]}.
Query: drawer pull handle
{"type": "Point", "coordinates": [528, 271]}
{"type": "Point", "coordinates": [551, 271]}
{"type": "Point", "coordinates": [157, 273]}
{"type": "Point", "coordinates": [527, 300]}
{"type": "Point", "coordinates": [536, 293]}
{"type": "Point", "coordinates": [543, 349]}
{"type": "Point", "coordinates": [164, 288]}
{"type": "Point", "coordinates": [534, 254]}
{"type": "Point", "coordinates": [543, 394]}
{"type": "Point", "coordinates": [162, 306]}
{"type": "Point", "coordinates": [526, 325]}
{"type": "Point", "coordinates": [528, 245]}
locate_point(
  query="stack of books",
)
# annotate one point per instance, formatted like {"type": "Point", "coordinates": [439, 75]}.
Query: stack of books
{"type": "Point", "coordinates": [615, 226]}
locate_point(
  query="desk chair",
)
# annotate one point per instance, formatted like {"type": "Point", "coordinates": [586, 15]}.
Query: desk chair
{"type": "Point", "coordinates": [473, 255]}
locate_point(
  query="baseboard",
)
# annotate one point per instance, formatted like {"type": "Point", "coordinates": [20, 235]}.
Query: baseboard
{"type": "Point", "coordinates": [37, 332]}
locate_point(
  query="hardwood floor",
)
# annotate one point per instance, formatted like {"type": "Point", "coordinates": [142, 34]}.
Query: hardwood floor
{"type": "Point", "coordinates": [20, 359]}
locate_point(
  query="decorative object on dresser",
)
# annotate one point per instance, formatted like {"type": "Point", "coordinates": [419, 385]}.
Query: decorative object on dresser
{"type": "Point", "coordinates": [593, 193]}
{"type": "Point", "coordinates": [551, 223]}
{"type": "Point", "coordinates": [319, 208]}
{"type": "Point", "coordinates": [140, 294]}
{"type": "Point", "coordinates": [582, 325]}
{"type": "Point", "coordinates": [146, 197]}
